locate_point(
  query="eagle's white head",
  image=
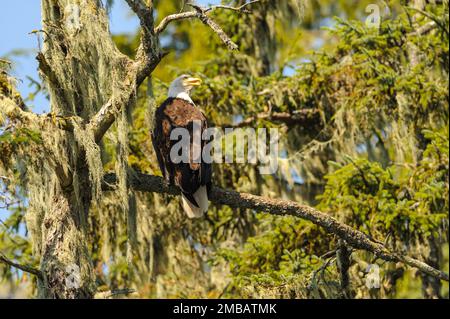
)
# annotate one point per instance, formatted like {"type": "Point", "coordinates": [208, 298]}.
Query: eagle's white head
{"type": "Point", "coordinates": [182, 86]}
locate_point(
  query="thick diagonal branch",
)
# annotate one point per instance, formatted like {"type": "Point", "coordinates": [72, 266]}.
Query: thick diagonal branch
{"type": "Point", "coordinates": [147, 58]}
{"type": "Point", "coordinates": [355, 238]}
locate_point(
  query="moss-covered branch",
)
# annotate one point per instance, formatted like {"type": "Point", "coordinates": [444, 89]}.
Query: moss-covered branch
{"type": "Point", "coordinates": [200, 13]}
{"type": "Point", "coordinates": [355, 238]}
{"type": "Point", "coordinates": [10, 109]}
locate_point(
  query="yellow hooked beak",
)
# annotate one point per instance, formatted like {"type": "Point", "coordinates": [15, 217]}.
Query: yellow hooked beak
{"type": "Point", "coordinates": [192, 82]}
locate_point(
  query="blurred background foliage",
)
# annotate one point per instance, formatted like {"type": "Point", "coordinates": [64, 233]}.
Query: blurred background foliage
{"type": "Point", "coordinates": [375, 155]}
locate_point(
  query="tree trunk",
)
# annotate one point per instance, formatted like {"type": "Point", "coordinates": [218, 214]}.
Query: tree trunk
{"type": "Point", "coordinates": [65, 263]}
{"type": "Point", "coordinates": [83, 70]}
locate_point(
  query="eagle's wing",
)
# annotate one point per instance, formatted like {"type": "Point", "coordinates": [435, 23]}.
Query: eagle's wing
{"type": "Point", "coordinates": [206, 169]}
{"type": "Point", "coordinates": [190, 176]}
{"type": "Point", "coordinates": [161, 142]}
{"type": "Point", "coordinates": [159, 156]}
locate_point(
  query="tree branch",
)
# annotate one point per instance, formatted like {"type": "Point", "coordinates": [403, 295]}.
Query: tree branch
{"type": "Point", "coordinates": [304, 117]}
{"type": "Point", "coordinates": [148, 183]}
{"type": "Point", "coordinates": [7, 90]}
{"type": "Point", "coordinates": [147, 58]}
{"type": "Point", "coordinates": [24, 268]}
{"type": "Point", "coordinates": [431, 17]}
{"type": "Point", "coordinates": [5, 62]}
{"type": "Point", "coordinates": [241, 8]}
{"type": "Point", "coordinates": [12, 110]}
{"type": "Point", "coordinates": [343, 262]}
{"type": "Point", "coordinates": [145, 14]}
{"type": "Point", "coordinates": [426, 28]}
{"type": "Point", "coordinates": [139, 8]}
{"type": "Point", "coordinates": [114, 292]}
{"type": "Point", "coordinates": [174, 17]}
{"type": "Point", "coordinates": [218, 30]}
{"type": "Point", "coordinates": [198, 12]}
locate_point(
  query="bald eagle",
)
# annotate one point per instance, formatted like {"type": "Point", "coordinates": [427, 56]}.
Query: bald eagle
{"type": "Point", "coordinates": [192, 177]}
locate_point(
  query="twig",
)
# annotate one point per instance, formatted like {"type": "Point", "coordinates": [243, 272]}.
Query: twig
{"type": "Point", "coordinates": [353, 237]}
{"type": "Point", "coordinates": [241, 8]}
{"type": "Point", "coordinates": [114, 292]}
{"type": "Point", "coordinates": [24, 268]}
{"type": "Point", "coordinates": [321, 269]}
{"type": "Point", "coordinates": [431, 17]}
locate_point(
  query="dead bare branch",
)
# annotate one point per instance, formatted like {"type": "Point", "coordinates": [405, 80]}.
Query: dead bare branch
{"type": "Point", "coordinates": [242, 8]}
{"type": "Point", "coordinates": [199, 11]}
{"type": "Point", "coordinates": [201, 14]}
{"type": "Point", "coordinates": [304, 117]}
{"type": "Point", "coordinates": [174, 17]}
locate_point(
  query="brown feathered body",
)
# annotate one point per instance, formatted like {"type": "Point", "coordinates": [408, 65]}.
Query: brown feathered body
{"type": "Point", "coordinates": [193, 178]}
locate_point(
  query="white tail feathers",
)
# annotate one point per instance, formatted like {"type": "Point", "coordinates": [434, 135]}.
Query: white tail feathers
{"type": "Point", "coordinates": [201, 196]}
